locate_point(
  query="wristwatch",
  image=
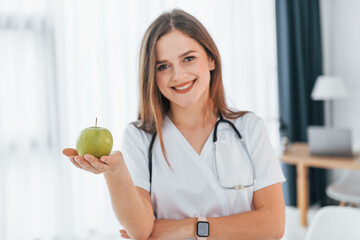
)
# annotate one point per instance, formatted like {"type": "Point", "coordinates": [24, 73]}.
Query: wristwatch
{"type": "Point", "coordinates": [202, 228]}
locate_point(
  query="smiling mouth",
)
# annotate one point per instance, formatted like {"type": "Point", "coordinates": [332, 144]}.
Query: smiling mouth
{"type": "Point", "coordinates": [184, 86]}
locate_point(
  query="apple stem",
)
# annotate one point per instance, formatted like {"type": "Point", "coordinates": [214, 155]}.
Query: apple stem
{"type": "Point", "coordinates": [95, 122]}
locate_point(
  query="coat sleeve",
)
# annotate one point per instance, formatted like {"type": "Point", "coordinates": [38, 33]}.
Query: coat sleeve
{"type": "Point", "coordinates": [266, 162]}
{"type": "Point", "coordinates": [134, 149]}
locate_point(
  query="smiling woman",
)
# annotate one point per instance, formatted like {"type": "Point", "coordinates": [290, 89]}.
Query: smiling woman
{"type": "Point", "coordinates": [181, 106]}
{"type": "Point", "coordinates": [66, 62]}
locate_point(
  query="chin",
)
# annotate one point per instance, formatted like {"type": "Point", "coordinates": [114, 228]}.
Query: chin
{"type": "Point", "coordinates": [184, 105]}
{"type": "Point", "coordinates": [188, 103]}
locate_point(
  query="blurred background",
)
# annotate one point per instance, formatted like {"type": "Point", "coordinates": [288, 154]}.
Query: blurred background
{"type": "Point", "coordinates": [65, 62]}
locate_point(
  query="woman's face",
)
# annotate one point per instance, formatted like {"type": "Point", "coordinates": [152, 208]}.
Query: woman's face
{"type": "Point", "coordinates": [182, 69]}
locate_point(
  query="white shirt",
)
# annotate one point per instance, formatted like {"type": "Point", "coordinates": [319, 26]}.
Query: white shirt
{"type": "Point", "coordinates": [193, 189]}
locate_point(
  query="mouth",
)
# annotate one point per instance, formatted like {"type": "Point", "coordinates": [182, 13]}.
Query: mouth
{"type": "Point", "coordinates": [185, 87]}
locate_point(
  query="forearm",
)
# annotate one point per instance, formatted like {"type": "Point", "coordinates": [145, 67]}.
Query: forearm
{"type": "Point", "coordinates": [257, 224]}
{"type": "Point", "coordinates": [128, 205]}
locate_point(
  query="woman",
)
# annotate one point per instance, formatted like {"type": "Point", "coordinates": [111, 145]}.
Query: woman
{"type": "Point", "coordinates": [190, 189]}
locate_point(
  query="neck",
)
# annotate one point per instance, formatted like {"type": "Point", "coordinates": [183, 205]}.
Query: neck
{"type": "Point", "coordinates": [194, 116]}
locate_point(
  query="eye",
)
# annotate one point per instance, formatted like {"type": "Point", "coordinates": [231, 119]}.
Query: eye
{"type": "Point", "coordinates": [189, 59]}
{"type": "Point", "coordinates": [162, 67]}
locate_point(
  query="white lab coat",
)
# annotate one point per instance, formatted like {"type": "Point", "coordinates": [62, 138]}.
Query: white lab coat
{"type": "Point", "coordinates": [192, 189]}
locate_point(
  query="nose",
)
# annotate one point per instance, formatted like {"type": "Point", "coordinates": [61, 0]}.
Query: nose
{"type": "Point", "coordinates": [179, 73]}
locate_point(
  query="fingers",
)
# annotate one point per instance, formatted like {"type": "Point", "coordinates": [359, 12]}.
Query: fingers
{"type": "Point", "coordinates": [84, 164]}
{"type": "Point", "coordinates": [96, 163]}
{"type": "Point", "coordinates": [70, 152]}
{"type": "Point", "coordinates": [106, 160]}
{"type": "Point", "coordinates": [93, 164]}
{"type": "Point", "coordinates": [74, 162]}
{"type": "Point", "coordinates": [112, 158]}
{"type": "Point", "coordinates": [124, 234]}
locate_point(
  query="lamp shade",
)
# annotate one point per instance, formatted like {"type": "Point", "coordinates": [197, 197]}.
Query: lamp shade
{"type": "Point", "coordinates": [328, 87]}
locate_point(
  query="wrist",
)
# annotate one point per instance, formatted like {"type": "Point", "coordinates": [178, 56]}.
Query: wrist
{"type": "Point", "coordinates": [190, 227]}
{"type": "Point", "coordinates": [111, 174]}
{"type": "Point", "coordinates": [117, 169]}
{"type": "Point", "coordinates": [114, 175]}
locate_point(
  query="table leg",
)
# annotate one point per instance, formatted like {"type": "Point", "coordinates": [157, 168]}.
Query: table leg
{"type": "Point", "coordinates": [302, 192]}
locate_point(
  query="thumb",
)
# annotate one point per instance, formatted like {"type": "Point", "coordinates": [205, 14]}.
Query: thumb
{"type": "Point", "coordinates": [69, 152]}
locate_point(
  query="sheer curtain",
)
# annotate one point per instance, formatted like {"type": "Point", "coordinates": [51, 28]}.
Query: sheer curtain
{"type": "Point", "coordinates": [65, 62]}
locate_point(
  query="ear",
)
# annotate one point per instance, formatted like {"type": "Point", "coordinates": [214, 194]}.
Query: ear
{"type": "Point", "coordinates": [211, 64]}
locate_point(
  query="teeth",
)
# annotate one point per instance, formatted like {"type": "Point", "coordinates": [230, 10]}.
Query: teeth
{"type": "Point", "coordinates": [184, 87]}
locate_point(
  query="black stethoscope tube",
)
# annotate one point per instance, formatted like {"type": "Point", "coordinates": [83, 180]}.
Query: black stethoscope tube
{"type": "Point", "coordinates": [237, 187]}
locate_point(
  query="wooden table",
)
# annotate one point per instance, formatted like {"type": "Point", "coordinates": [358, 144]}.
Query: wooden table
{"type": "Point", "coordinates": [299, 155]}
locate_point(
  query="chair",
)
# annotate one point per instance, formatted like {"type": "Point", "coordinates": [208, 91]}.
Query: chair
{"type": "Point", "coordinates": [347, 189]}
{"type": "Point", "coordinates": [334, 223]}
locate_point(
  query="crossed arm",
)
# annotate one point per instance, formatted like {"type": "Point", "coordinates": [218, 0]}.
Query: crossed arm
{"type": "Point", "coordinates": [266, 221]}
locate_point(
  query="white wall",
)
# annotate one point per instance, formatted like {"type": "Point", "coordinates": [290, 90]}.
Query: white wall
{"type": "Point", "coordinates": [341, 57]}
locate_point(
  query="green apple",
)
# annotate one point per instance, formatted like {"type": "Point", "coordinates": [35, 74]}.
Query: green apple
{"type": "Point", "coordinates": [96, 141]}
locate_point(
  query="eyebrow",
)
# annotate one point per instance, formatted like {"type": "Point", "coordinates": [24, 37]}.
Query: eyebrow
{"type": "Point", "coordinates": [180, 56]}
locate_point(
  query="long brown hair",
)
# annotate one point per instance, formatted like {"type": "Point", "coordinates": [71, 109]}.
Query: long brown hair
{"type": "Point", "coordinates": [153, 106]}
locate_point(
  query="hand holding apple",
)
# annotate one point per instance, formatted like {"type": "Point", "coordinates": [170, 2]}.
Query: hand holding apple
{"type": "Point", "coordinates": [92, 148]}
{"type": "Point", "coordinates": [96, 141]}
{"type": "Point", "coordinates": [106, 164]}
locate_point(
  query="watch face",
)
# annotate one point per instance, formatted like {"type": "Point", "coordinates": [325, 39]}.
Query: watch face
{"type": "Point", "coordinates": [202, 229]}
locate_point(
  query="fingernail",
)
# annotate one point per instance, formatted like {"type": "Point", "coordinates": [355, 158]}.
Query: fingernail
{"type": "Point", "coordinates": [76, 159]}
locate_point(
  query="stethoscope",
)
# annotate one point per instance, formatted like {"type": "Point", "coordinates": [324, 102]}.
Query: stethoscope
{"type": "Point", "coordinates": [221, 119]}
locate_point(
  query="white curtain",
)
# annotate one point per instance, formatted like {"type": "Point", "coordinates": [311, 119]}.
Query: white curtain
{"type": "Point", "coordinates": [65, 62]}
